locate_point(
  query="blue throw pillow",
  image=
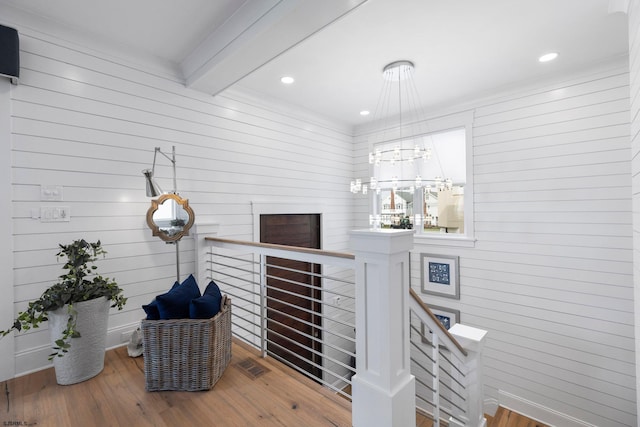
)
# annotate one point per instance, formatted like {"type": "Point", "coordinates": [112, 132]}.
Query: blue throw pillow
{"type": "Point", "coordinates": [151, 309]}
{"type": "Point", "coordinates": [208, 305]}
{"type": "Point", "coordinates": [175, 303]}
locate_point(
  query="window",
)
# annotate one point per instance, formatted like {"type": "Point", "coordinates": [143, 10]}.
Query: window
{"type": "Point", "coordinates": [424, 182]}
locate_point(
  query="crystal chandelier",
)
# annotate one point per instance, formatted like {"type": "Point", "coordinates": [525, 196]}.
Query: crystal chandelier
{"type": "Point", "coordinates": [404, 157]}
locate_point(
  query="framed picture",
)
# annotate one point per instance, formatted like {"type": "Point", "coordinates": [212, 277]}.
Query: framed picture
{"type": "Point", "coordinates": [447, 316]}
{"type": "Point", "coordinates": [439, 275]}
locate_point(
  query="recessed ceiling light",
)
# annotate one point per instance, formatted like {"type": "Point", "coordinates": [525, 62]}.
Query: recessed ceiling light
{"type": "Point", "coordinates": [364, 113]}
{"type": "Point", "coordinates": [548, 57]}
{"type": "Point", "coordinates": [287, 80]}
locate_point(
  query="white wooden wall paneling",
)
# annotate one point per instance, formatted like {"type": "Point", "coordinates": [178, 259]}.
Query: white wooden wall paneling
{"type": "Point", "coordinates": [520, 381]}
{"type": "Point", "coordinates": [520, 307]}
{"type": "Point", "coordinates": [560, 150]}
{"type": "Point", "coordinates": [552, 184]}
{"type": "Point", "coordinates": [169, 116]}
{"type": "Point", "coordinates": [556, 295]}
{"type": "Point", "coordinates": [60, 119]}
{"type": "Point", "coordinates": [612, 156]}
{"type": "Point", "coordinates": [556, 194]}
{"type": "Point", "coordinates": [598, 81]}
{"type": "Point", "coordinates": [569, 241]}
{"type": "Point", "coordinates": [562, 117]}
{"type": "Point", "coordinates": [634, 115]}
{"type": "Point", "coordinates": [87, 123]}
{"type": "Point", "coordinates": [616, 371]}
{"type": "Point", "coordinates": [608, 280]}
{"type": "Point", "coordinates": [550, 141]}
{"type": "Point", "coordinates": [552, 286]}
{"type": "Point", "coordinates": [7, 348]}
{"type": "Point", "coordinates": [602, 120]}
{"type": "Point", "coordinates": [538, 369]}
{"type": "Point", "coordinates": [571, 106]}
{"type": "Point", "coordinates": [551, 271]}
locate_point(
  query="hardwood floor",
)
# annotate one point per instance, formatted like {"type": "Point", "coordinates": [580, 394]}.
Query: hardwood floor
{"type": "Point", "coordinates": [507, 418]}
{"type": "Point", "coordinates": [116, 397]}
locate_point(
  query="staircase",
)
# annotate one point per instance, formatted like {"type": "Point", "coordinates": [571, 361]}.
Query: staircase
{"type": "Point", "coordinates": [507, 418]}
{"type": "Point", "coordinates": [442, 381]}
{"type": "Point", "coordinates": [503, 418]}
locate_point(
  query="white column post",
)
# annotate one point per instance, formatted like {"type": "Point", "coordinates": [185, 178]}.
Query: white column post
{"type": "Point", "coordinates": [7, 345]}
{"type": "Point", "coordinates": [472, 340]}
{"type": "Point", "coordinates": [383, 389]}
{"type": "Point", "coordinates": [199, 232]}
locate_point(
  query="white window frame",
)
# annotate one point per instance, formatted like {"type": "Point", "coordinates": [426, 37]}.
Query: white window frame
{"type": "Point", "coordinates": [441, 124]}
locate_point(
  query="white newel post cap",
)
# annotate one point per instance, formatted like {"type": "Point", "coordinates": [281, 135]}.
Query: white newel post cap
{"type": "Point", "coordinates": [383, 241]}
{"type": "Point", "coordinates": [471, 339]}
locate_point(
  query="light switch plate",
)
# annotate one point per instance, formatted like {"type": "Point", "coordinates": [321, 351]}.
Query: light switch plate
{"type": "Point", "coordinates": [51, 193]}
{"type": "Point", "coordinates": [55, 214]}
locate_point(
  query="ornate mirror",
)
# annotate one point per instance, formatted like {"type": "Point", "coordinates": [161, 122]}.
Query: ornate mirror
{"type": "Point", "coordinates": [170, 217]}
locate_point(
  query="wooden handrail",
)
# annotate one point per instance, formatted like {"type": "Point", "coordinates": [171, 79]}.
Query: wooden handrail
{"type": "Point", "coordinates": [427, 310]}
{"type": "Point", "coordinates": [283, 247]}
{"type": "Point", "coordinates": [413, 293]}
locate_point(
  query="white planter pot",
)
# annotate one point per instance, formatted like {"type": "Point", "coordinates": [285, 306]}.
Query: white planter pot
{"type": "Point", "coordinates": [85, 358]}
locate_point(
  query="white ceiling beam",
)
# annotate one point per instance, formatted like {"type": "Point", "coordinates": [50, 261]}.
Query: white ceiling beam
{"type": "Point", "coordinates": [258, 32]}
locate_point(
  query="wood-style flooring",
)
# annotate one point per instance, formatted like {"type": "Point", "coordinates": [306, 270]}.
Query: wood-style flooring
{"type": "Point", "coordinates": [117, 397]}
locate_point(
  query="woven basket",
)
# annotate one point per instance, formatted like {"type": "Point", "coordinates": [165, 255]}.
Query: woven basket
{"type": "Point", "coordinates": [187, 354]}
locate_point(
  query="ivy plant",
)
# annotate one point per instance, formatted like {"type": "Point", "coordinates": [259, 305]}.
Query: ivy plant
{"type": "Point", "coordinates": [80, 283]}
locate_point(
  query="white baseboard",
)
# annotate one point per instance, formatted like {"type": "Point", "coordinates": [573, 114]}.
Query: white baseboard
{"type": "Point", "coordinates": [539, 412]}
{"type": "Point", "coordinates": [490, 406]}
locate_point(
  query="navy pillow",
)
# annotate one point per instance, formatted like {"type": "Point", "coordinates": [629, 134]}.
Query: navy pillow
{"type": "Point", "coordinates": [208, 305]}
{"type": "Point", "coordinates": [175, 303]}
{"type": "Point", "coordinates": [151, 309]}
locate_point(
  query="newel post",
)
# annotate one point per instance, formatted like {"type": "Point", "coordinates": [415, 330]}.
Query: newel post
{"type": "Point", "coordinates": [472, 340]}
{"type": "Point", "coordinates": [383, 389]}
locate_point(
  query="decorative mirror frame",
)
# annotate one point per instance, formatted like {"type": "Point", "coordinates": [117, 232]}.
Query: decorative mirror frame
{"type": "Point", "coordinates": [154, 207]}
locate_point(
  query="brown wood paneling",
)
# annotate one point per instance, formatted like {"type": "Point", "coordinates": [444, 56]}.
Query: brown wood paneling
{"type": "Point", "coordinates": [291, 329]}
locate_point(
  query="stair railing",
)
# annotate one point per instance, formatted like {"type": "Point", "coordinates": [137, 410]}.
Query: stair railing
{"type": "Point", "coordinates": [444, 363]}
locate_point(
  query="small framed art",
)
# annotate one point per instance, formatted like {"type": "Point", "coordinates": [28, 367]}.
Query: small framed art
{"type": "Point", "coordinates": [447, 316]}
{"type": "Point", "coordinates": [439, 275]}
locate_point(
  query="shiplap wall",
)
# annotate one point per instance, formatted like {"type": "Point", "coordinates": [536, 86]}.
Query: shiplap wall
{"type": "Point", "coordinates": [550, 276]}
{"type": "Point", "coordinates": [634, 83]}
{"type": "Point", "coordinates": [89, 122]}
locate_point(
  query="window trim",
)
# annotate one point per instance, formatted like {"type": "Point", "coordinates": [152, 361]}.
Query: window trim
{"type": "Point", "coordinates": [444, 123]}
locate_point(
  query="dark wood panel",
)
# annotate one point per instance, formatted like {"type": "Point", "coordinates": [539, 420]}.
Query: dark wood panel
{"type": "Point", "coordinates": [293, 327]}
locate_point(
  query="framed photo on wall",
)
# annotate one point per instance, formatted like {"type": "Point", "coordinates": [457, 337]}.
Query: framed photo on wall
{"type": "Point", "coordinates": [447, 316]}
{"type": "Point", "coordinates": [439, 275]}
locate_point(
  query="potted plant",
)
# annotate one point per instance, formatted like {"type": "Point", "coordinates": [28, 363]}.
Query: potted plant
{"type": "Point", "coordinates": [77, 308]}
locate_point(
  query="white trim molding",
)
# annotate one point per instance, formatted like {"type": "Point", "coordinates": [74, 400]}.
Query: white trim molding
{"type": "Point", "coordinates": [538, 412]}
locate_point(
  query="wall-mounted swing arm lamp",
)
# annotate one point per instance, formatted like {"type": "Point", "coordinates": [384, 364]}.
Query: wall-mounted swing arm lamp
{"type": "Point", "coordinates": [153, 189]}
{"type": "Point", "coordinates": [170, 229]}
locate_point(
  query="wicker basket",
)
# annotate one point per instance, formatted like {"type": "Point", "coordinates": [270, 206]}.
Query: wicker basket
{"type": "Point", "coordinates": [187, 354]}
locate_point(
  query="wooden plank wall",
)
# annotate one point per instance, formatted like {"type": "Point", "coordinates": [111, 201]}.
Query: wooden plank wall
{"type": "Point", "coordinates": [89, 122]}
{"type": "Point", "coordinates": [634, 82]}
{"type": "Point", "coordinates": [550, 275]}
